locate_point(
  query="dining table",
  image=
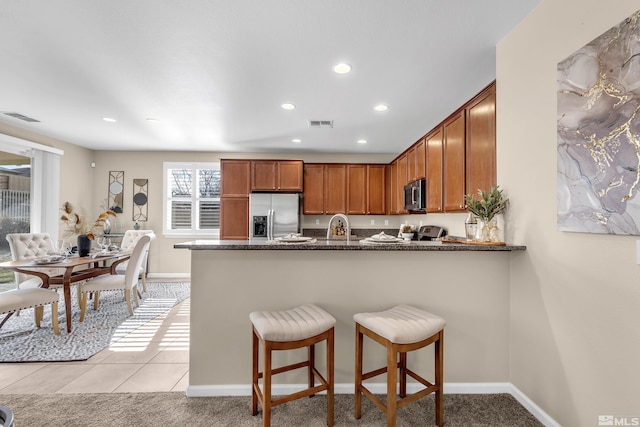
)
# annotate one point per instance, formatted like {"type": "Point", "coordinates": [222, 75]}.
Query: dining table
{"type": "Point", "coordinates": [95, 265]}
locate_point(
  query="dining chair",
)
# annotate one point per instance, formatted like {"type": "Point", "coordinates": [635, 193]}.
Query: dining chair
{"type": "Point", "coordinates": [116, 282]}
{"type": "Point", "coordinates": [26, 246]}
{"type": "Point", "coordinates": [129, 241]}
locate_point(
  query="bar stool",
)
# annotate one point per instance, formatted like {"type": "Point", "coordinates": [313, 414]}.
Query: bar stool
{"type": "Point", "coordinates": [303, 326]}
{"type": "Point", "coordinates": [400, 329]}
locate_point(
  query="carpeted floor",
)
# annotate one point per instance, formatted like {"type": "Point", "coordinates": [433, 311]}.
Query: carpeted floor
{"type": "Point", "coordinates": [175, 409]}
{"type": "Point", "coordinates": [21, 341]}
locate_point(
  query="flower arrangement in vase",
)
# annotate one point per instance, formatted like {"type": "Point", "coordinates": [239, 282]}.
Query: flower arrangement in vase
{"type": "Point", "coordinates": [76, 224]}
{"type": "Point", "coordinates": [486, 207]}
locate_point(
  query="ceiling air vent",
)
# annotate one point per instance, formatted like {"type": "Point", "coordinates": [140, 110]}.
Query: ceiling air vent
{"type": "Point", "coordinates": [22, 117]}
{"type": "Point", "coordinates": [321, 124]}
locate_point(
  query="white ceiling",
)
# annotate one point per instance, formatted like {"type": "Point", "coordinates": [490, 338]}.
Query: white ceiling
{"type": "Point", "coordinates": [215, 72]}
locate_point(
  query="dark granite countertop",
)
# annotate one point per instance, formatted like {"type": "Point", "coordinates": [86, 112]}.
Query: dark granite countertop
{"type": "Point", "coordinates": [339, 245]}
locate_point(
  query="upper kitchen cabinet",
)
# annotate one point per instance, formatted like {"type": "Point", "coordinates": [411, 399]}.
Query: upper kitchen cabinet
{"type": "Point", "coordinates": [376, 189]}
{"type": "Point", "coordinates": [335, 188]}
{"type": "Point", "coordinates": [357, 189]}
{"type": "Point", "coordinates": [393, 187]}
{"type": "Point", "coordinates": [313, 196]}
{"type": "Point", "coordinates": [402, 181]}
{"type": "Point", "coordinates": [435, 153]}
{"type": "Point", "coordinates": [481, 141]}
{"type": "Point", "coordinates": [235, 178]}
{"type": "Point", "coordinates": [276, 175]}
{"type": "Point", "coordinates": [454, 162]}
{"type": "Point", "coordinates": [416, 161]}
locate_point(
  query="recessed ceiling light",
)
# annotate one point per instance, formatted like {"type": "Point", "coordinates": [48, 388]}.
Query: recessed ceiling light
{"type": "Point", "coordinates": [288, 106]}
{"type": "Point", "coordinates": [109, 119]}
{"type": "Point", "coordinates": [342, 68]}
{"type": "Point", "coordinates": [296, 140]}
{"type": "Point", "coordinates": [381, 107]}
{"type": "Point", "coordinates": [362, 141]}
{"type": "Point", "coordinates": [152, 120]}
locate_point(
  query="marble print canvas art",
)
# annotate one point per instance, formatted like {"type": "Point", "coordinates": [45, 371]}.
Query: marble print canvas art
{"type": "Point", "coordinates": [599, 134]}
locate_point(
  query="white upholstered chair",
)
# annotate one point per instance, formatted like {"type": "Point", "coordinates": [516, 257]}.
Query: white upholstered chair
{"type": "Point", "coordinates": [129, 241]}
{"type": "Point", "coordinates": [114, 282]}
{"type": "Point", "coordinates": [20, 299]}
{"type": "Point", "coordinates": [29, 246]}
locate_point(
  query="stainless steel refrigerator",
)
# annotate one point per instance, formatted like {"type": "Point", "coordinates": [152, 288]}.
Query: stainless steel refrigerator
{"type": "Point", "coordinates": [273, 215]}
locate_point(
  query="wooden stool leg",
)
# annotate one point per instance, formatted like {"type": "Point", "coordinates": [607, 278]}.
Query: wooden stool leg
{"type": "Point", "coordinates": [392, 374]}
{"type": "Point", "coordinates": [359, 343]}
{"type": "Point", "coordinates": [254, 372]}
{"type": "Point", "coordinates": [330, 376]}
{"type": "Point", "coordinates": [311, 356]}
{"type": "Point", "coordinates": [439, 376]}
{"type": "Point", "coordinates": [403, 374]}
{"type": "Point", "coordinates": [266, 393]}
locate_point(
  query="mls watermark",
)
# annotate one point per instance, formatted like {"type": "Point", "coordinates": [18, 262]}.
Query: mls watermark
{"type": "Point", "coordinates": [616, 420]}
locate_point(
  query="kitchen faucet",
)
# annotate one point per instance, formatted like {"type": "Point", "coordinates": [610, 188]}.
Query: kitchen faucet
{"type": "Point", "coordinates": [346, 224]}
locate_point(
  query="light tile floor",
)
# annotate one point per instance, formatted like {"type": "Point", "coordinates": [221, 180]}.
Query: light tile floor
{"type": "Point", "coordinates": [154, 357]}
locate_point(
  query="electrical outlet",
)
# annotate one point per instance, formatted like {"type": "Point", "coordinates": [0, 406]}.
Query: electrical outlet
{"type": "Point", "coordinates": [317, 222]}
{"type": "Point", "coordinates": [386, 222]}
{"type": "Point", "coordinates": [373, 222]}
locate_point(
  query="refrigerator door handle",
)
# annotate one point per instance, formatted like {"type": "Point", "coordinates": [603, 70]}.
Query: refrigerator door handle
{"type": "Point", "coordinates": [270, 224]}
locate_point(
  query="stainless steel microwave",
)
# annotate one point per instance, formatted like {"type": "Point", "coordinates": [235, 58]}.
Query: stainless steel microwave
{"type": "Point", "coordinates": [415, 196]}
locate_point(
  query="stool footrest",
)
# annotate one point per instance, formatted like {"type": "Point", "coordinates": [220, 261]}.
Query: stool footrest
{"type": "Point", "coordinates": [299, 394]}
{"type": "Point", "coordinates": [375, 373]}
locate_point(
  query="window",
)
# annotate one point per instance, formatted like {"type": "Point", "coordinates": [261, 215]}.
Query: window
{"type": "Point", "coordinates": [191, 199]}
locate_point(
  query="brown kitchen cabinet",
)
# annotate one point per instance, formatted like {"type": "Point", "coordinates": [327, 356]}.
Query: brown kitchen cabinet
{"type": "Point", "coordinates": [235, 178]}
{"type": "Point", "coordinates": [393, 188]}
{"type": "Point", "coordinates": [376, 189]}
{"type": "Point", "coordinates": [357, 189]}
{"type": "Point", "coordinates": [481, 141]}
{"type": "Point", "coordinates": [313, 196]}
{"type": "Point", "coordinates": [434, 154]}
{"type": "Point", "coordinates": [402, 181]}
{"type": "Point", "coordinates": [276, 175]}
{"type": "Point", "coordinates": [416, 161]}
{"type": "Point", "coordinates": [234, 218]}
{"type": "Point", "coordinates": [454, 162]}
{"type": "Point", "coordinates": [335, 188]}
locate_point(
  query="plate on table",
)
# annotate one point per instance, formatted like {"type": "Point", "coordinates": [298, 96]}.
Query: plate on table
{"type": "Point", "coordinates": [293, 239]}
{"type": "Point", "coordinates": [49, 259]}
{"type": "Point", "coordinates": [384, 240]}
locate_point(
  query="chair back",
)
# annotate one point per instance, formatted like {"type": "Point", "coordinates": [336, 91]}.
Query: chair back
{"type": "Point", "coordinates": [135, 262]}
{"type": "Point", "coordinates": [28, 246]}
{"type": "Point", "coordinates": [131, 237]}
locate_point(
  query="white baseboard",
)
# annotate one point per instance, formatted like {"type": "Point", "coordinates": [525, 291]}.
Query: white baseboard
{"type": "Point", "coordinates": [381, 388]}
{"type": "Point", "coordinates": [169, 276]}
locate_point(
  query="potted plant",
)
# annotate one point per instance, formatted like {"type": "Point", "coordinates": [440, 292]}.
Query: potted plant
{"type": "Point", "coordinates": [486, 207]}
{"type": "Point", "coordinates": [76, 224]}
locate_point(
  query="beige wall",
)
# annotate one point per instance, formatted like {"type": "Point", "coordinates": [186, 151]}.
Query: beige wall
{"type": "Point", "coordinates": [575, 298]}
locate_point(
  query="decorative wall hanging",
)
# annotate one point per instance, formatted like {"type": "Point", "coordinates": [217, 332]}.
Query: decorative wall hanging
{"type": "Point", "coordinates": [140, 199]}
{"type": "Point", "coordinates": [116, 190]}
{"type": "Point", "coordinates": [599, 134]}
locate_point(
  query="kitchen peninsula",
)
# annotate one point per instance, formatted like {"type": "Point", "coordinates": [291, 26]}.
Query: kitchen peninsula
{"type": "Point", "coordinates": [468, 285]}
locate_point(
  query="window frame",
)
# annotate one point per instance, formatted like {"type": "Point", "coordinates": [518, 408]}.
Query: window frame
{"type": "Point", "coordinates": [195, 201]}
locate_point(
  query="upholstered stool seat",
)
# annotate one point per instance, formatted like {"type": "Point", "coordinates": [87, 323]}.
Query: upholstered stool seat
{"type": "Point", "coordinates": [303, 326]}
{"type": "Point", "coordinates": [400, 329]}
{"type": "Point", "coordinates": [20, 299]}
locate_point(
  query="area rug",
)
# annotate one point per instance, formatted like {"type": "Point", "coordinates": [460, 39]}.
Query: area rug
{"type": "Point", "coordinates": [175, 409]}
{"type": "Point", "coordinates": [21, 341]}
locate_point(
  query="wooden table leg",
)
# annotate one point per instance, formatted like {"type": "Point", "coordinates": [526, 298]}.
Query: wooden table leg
{"type": "Point", "coordinates": [66, 286]}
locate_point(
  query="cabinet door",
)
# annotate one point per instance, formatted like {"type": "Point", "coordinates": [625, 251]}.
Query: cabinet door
{"type": "Point", "coordinates": [454, 163]}
{"type": "Point", "coordinates": [415, 161]}
{"type": "Point", "coordinates": [289, 175]}
{"type": "Point", "coordinates": [356, 189]}
{"type": "Point", "coordinates": [234, 218]}
{"type": "Point", "coordinates": [335, 188]}
{"type": "Point", "coordinates": [376, 189]}
{"type": "Point", "coordinates": [481, 142]}
{"type": "Point", "coordinates": [411, 164]}
{"type": "Point", "coordinates": [235, 178]}
{"type": "Point", "coordinates": [402, 181]}
{"type": "Point", "coordinates": [313, 196]}
{"type": "Point", "coordinates": [263, 175]}
{"type": "Point", "coordinates": [434, 171]}
{"type": "Point", "coordinates": [393, 187]}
